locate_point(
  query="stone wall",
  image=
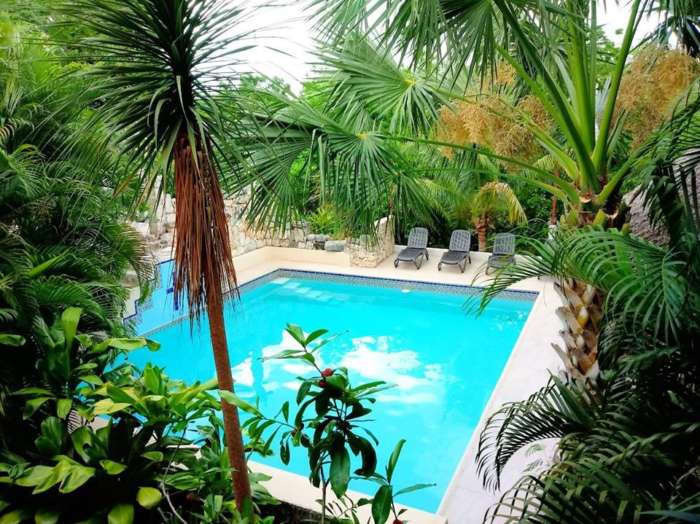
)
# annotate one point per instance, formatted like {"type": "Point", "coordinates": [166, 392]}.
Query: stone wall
{"type": "Point", "coordinates": [365, 251]}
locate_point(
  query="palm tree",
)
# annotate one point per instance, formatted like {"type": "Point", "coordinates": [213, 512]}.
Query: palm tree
{"type": "Point", "coordinates": [556, 59]}
{"type": "Point", "coordinates": [342, 151]}
{"type": "Point", "coordinates": [474, 194]}
{"type": "Point", "coordinates": [628, 448]}
{"type": "Point", "coordinates": [157, 76]}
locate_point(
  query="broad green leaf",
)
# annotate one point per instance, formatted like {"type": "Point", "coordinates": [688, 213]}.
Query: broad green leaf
{"type": "Point", "coordinates": [9, 339]}
{"type": "Point", "coordinates": [14, 517]}
{"type": "Point", "coordinates": [297, 334]}
{"type": "Point", "coordinates": [234, 399]}
{"type": "Point", "coordinates": [106, 407]}
{"type": "Point", "coordinates": [121, 514]}
{"type": "Point", "coordinates": [111, 467]}
{"type": "Point", "coordinates": [340, 470]}
{"type": "Point", "coordinates": [69, 322]}
{"type": "Point", "coordinates": [148, 497]}
{"type": "Point", "coordinates": [303, 391]}
{"type": "Point", "coordinates": [155, 456]}
{"type": "Point", "coordinates": [314, 335]}
{"type": "Point", "coordinates": [381, 505]}
{"type": "Point", "coordinates": [45, 516]}
{"type": "Point", "coordinates": [63, 406]}
{"type": "Point", "coordinates": [31, 406]}
{"type": "Point", "coordinates": [92, 379]}
{"type": "Point", "coordinates": [34, 476]}
{"type": "Point", "coordinates": [337, 381]}
{"type": "Point", "coordinates": [77, 476]}
{"type": "Point", "coordinates": [33, 391]}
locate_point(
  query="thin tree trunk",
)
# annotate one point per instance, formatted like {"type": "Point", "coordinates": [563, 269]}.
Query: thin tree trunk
{"type": "Point", "coordinates": [203, 263]}
{"type": "Point", "coordinates": [232, 425]}
{"type": "Point", "coordinates": [553, 212]}
{"type": "Point", "coordinates": [481, 231]}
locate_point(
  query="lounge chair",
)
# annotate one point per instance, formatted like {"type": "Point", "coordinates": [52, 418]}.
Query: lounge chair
{"type": "Point", "coordinates": [458, 253]}
{"type": "Point", "coordinates": [503, 252]}
{"type": "Point", "coordinates": [417, 248]}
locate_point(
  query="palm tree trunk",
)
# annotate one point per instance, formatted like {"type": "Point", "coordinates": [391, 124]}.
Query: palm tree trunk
{"type": "Point", "coordinates": [481, 231]}
{"type": "Point", "coordinates": [232, 425]}
{"type": "Point", "coordinates": [553, 212]}
{"type": "Point", "coordinates": [203, 263]}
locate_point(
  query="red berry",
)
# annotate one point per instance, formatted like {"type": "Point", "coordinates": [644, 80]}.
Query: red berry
{"type": "Point", "coordinates": [327, 372]}
{"type": "Point", "coordinates": [397, 521]}
{"type": "Point", "coordinates": [322, 383]}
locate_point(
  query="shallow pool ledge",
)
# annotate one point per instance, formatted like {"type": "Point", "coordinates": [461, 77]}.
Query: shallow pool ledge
{"type": "Point", "coordinates": [297, 490]}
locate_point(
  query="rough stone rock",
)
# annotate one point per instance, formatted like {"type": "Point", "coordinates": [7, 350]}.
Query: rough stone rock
{"type": "Point", "coordinates": [334, 245]}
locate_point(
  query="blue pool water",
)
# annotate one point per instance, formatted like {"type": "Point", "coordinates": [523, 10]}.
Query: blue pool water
{"type": "Point", "coordinates": [442, 361]}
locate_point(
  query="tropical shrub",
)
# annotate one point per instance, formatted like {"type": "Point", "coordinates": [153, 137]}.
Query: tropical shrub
{"type": "Point", "coordinates": [89, 437]}
{"type": "Point", "coordinates": [329, 425]}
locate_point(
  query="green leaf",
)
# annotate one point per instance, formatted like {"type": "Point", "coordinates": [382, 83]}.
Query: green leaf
{"type": "Point", "coordinates": [381, 505]}
{"type": "Point", "coordinates": [106, 407]}
{"type": "Point", "coordinates": [111, 467]}
{"type": "Point", "coordinates": [393, 459]}
{"type": "Point", "coordinates": [69, 322]}
{"type": "Point", "coordinates": [369, 456]}
{"type": "Point", "coordinates": [314, 335]}
{"type": "Point", "coordinates": [284, 451]}
{"type": "Point", "coordinates": [155, 456]}
{"type": "Point", "coordinates": [44, 516]}
{"type": "Point", "coordinates": [148, 497]}
{"type": "Point", "coordinates": [121, 514]}
{"type": "Point", "coordinates": [92, 379]}
{"type": "Point", "coordinates": [414, 487]}
{"type": "Point", "coordinates": [53, 435]}
{"type": "Point", "coordinates": [303, 391]}
{"type": "Point", "coordinates": [234, 399]}
{"type": "Point", "coordinates": [31, 406]}
{"type": "Point", "coordinates": [77, 476]}
{"type": "Point", "coordinates": [34, 476]}
{"type": "Point", "coordinates": [9, 339]}
{"type": "Point", "coordinates": [337, 381]}
{"type": "Point", "coordinates": [297, 334]}
{"type": "Point", "coordinates": [33, 391]}
{"type": "Point", "coordinates": [14, 517]}
{"type": "Point", "coordinates": [340, 470]}
{"type": "Point", "coordinates": [63, 406]}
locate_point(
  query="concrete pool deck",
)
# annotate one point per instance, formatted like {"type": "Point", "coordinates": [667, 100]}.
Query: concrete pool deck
{"type": "Point", "coordinates": [528, 367]}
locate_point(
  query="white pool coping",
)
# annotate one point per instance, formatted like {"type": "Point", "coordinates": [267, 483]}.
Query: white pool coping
{"type": "Point", "coordinates": [527, 369]}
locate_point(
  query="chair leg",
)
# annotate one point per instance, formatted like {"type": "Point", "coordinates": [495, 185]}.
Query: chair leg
{"type": "Point", "coordinates": [396, 262]}
{"type": "Point", "coordinates": [440, 266]}
{"type": "Point", "coordinates": [427, 257]}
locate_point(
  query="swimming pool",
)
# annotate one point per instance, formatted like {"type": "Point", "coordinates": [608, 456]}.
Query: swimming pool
{"type": "Point", "coordinates": [443, 362]}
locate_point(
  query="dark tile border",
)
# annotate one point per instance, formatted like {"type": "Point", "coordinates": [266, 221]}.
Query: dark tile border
{"type": "Point", "coordinates": [454, 289]}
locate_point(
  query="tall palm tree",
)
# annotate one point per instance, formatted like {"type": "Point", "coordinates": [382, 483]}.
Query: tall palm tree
{"type": "Point", "coordinates": [157, 76]}
{"type": "Point", "coordinates": [628, 448]}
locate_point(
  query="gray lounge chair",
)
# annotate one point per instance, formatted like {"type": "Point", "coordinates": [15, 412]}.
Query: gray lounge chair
{"type": "Point", "coordinates": [503, 252]}
{"type": "Point", "coordinates": [458, 253]}
{"type": "Point", "coordinates": [417, 248]}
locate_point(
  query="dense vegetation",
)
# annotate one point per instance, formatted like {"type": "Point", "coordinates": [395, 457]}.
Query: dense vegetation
{"type": "Point", "coordinates": [481, 115]}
